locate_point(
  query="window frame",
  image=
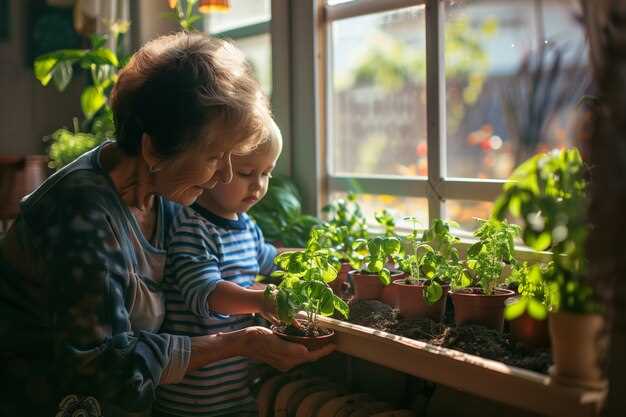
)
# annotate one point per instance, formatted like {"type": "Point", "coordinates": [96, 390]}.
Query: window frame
{"type": "Point", "coordinates": [437, 187]}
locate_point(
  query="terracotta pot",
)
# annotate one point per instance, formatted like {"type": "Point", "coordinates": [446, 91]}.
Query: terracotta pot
{"type": "Point", "coordinates": [579, 344]}
{"type": "Point", "coordinates": [368, 286]}
{"type": "Point", "coordinates": [528, 330]}
{"type": "Point", "coordinates": [311, 343]}
{"type": "Point", "coordinates": [411, 303]}
{"type": "Point", "coordinates": [390, 292]}
{"type": "Point", "coordinates": [471, 306]}
{"type": "Point", "coordinates": [339, 284]}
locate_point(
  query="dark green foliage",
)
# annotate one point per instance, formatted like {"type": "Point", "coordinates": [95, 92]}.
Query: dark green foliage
{"type": "Point", "coordinates": [279, 214]}
{"type": "Point", "coordinates": [548, 194]}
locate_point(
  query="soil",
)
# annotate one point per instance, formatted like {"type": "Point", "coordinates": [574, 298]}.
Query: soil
{"type": "Point", "coordinates": [304, 331]}
{"type": "Point", "coordinates": [472, 339]}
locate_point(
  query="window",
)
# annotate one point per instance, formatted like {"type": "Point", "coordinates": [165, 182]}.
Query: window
{"type": "Point", "coordinates": [247, 24]}
{"type": "Point", "coordinates": [435, 102]}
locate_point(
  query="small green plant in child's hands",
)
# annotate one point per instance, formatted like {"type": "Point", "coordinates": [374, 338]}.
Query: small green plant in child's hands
{"type": "Point", "coordinates": [304, 285]}
{"type": "Point", "coordinates": [487, 257]}
{"type": "Point", "coordinates": [372, 255]}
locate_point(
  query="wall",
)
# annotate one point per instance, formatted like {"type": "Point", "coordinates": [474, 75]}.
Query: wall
{"type": "Point", "coordinates": [28, 111]}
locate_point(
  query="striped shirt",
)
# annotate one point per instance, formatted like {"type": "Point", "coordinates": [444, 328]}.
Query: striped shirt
{"type": "Point", "coordinates": [204, 250]}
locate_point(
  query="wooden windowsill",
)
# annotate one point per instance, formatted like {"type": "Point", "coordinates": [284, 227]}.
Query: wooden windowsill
{"type": "Point", "coordinates": [468, 373]}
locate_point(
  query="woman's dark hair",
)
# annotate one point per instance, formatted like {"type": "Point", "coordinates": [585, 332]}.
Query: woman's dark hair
{"type": "Point", "coordinates": [177, 86]}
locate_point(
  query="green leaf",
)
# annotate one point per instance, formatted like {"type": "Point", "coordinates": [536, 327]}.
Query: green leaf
{"type": "Point", "coordinates": [537, 309]}
{"type": "Point", "coordinates": [433, 292]}
{"type": "Point", "coordinates": [391, 245]}
{"type": "Point", "coordinates": [375, 246]}
{"type": "Point", "coordinates": [341, 306]}
{"type": "Point", "coordinates": [329, 273]}
{"type": "Point", "coordinates": [100, 56]}
{"type": "Point", "coordinates": [384, 276]}
{"type": "Point", "coordinates": [515, 309]}
{"type": "Point", "coordinates": [62, 74]}
{"type": "Point", "coordinates": [43, 68]}
{"type": "Point", "coordinates": [360, 247]}
{"type": "Point", "coordinates": [538, 241]}
{"type": "Point", "coordinates": [284, 307]}
{"type": "Point", "coordinates": [327, 302]}
{"type": "Point", "coordinates": [474, 249]}
{"type": "Point", "coordinates": [91, 101]}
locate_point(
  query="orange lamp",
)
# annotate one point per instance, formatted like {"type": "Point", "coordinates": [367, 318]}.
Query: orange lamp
{"type": "Point", "coordinates": [213, 6]}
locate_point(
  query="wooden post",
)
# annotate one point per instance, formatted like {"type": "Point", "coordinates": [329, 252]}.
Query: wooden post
{"type": "Point", "coordinates": [605, 246]}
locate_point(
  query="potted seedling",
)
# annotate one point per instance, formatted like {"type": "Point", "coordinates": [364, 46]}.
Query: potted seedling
{"type": "Point", "coordinates": [371, 272]}
{"type": "Point", "coordinates": [346, 223]}
{"type": "Point", "coordinates": [304, 287]}
{"type": "Point", "coordinates": [430, 263]}
{"type": "Point", "coordinates": [548, 194]}
{"type": "Point", "coordinates": [528, 311]}
{"type": "Point", "coordinates": [338, 240]}
{"type": "Point", "coordinates": [476, 293]}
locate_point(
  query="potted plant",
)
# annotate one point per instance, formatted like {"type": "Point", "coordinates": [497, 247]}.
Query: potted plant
{"type": "Point", "coordinates": [548, 194]}
{"type": "Point", "coordinates": [475, 293]}
{"type": "Point", "coordinates": [345, 225]}
{"type": "Point", "coordinates": [304, 287]}
{"type": "Point", "coordinates": [371, 273]}
{"type": "Point", "coordinates": [430, 264]}
{"type": "Point", "coordinates": [528, 311]}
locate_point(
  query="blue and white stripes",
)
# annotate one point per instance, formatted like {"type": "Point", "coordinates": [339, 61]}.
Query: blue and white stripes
{"type": "Point", "coordinates": [204, 250]}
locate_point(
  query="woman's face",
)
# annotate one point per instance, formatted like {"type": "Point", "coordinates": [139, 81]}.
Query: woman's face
{"type": "Point", "coordinates": [184, 177]}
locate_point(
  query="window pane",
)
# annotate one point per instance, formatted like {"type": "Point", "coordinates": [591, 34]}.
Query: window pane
{"type": "Point", "coordinates": [465, 212]}
{"type": "Point", "coordinates": [377, 109]}
{"type": "Point", "coordinates": [258, 49]}
{"type": "Point", "coordinates": [241, 13]}
{"type": "Point", "coordinates": [493, 53]}
{"type": "Point", "coordinates": [398, 206]}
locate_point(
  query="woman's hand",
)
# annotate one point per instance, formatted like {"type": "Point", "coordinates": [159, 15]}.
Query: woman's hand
{"type": "Point", "coordinates": [261, 344]}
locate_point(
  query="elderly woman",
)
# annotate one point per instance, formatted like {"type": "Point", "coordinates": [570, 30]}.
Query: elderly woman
{"type": "Point", "coordinates": [81, 268]}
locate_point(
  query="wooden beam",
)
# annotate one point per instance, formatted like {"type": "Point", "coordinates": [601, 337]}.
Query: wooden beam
{"type": "Point", "coordinates": [468, 373]}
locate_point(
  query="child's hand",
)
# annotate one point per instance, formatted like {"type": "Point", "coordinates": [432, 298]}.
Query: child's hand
{"type": "Point", "coordinates": [268, 305]}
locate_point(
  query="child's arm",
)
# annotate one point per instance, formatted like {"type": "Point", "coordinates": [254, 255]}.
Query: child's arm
{"type": "Point", "coordinates": [265, 252]}
{"type": "Point", "coordinates": [230, 298]}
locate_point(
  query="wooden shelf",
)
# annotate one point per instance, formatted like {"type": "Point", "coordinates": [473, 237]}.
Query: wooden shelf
{"type": "Point", "coordinates": [468, 373]}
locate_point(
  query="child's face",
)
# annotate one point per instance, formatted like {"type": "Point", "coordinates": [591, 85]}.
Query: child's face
{"type": "Point", "coordinates": [251, 174]}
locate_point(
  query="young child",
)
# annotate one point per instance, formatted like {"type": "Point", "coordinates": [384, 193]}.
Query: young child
{"type": "Point", "coordinates": [215, 253]}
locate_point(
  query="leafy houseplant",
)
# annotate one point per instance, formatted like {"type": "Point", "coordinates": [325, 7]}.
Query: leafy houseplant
{"type": "Point", "coordinates": [102, 64]}
{"type": "Point", "coordinates": [475, 293]}
{"type": "Point", "coordinates": [528, 311]}
{"type": "Point", "coordinates": [279, 215]}
{"type": "Point", "coordinates": [346, 223]}
{"type": "Point", "coordinates": [371, 273]}
{"type": "Point", "coordinates": [348, 213]}
{"type": "Point", "coordinates": [431, 263]}
{"type": "Point", "coordinates": [304, 287]}
{"type": "Point", "coordinates": [548, 194]}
